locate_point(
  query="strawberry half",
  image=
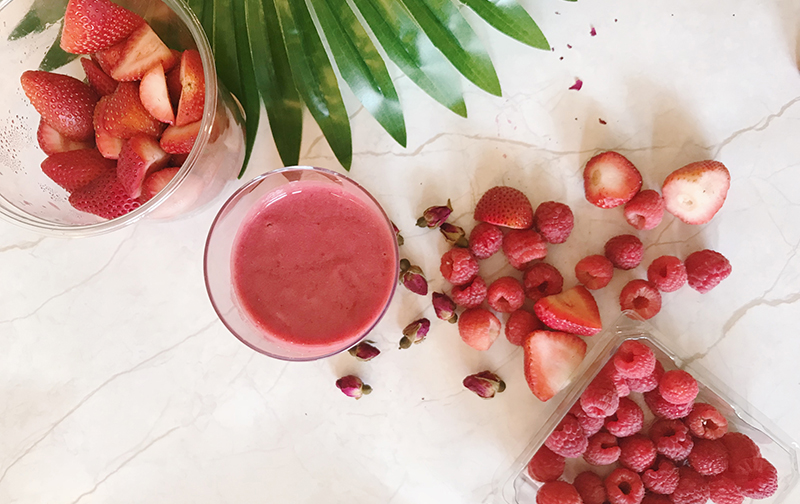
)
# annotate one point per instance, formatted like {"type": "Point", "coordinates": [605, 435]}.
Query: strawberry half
{"type": "Point", "coordinates": [505, 206]}
{"type": "Point", "coordinates": [140, 156]}
{"type": "Point", "coordinates": [154, 95]}
{"type": "Point", "coordinates": [51, 141]}
{"type": "Point", "coordinates": [105, 197]}
{"type": "Point", "coordinates": [610, 180]}
{"type": "Point", "coordinates": [130, 59]}
{"type": "Point", "coordinates": [98, 79]}
{"type": "Point", "coordinates": [65, 103]}
{"type": "Point", "coordinates": [573, 310]}
{"type": "Point", "coordinates": [551, 359]}
{"type": "Point", "coordinates": [180, 139]}
{"type": "Point", "coordinates": [157, 181]}
{"type": "Point", "coordinates": [193, 89]}
{"type": "Point", "coordinates": [75, 169]}
{"type": "Point", "coordinates": [93, 25]}
{"type": "Point", "coordinates": [122, 114]}
{"type": "Point", "coordinates": [696, 192]}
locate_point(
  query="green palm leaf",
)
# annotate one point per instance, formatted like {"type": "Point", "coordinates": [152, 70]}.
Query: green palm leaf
{"type": "Point", "coordinates": [510, 18]}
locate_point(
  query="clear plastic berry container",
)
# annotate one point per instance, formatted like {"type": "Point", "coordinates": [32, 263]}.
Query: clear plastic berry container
{"type": "Point", "coordinates": [28, 29]}
{"type": "Point", "coordinates": [515, 486]}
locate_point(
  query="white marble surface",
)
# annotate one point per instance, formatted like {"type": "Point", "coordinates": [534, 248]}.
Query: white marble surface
{"type": "Point", "coordinates": [119, 385]}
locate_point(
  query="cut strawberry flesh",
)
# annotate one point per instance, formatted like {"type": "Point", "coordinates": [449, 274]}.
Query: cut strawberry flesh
{"type": "Point", "coordinates": [140, 156]}
{"type": "Point", "coordinates": [574, 310]}
{"type": "Point", "coordinates": [696, 192]}
{"type": "Point", "coordinates": [130, 59]}
{"type": "Point", "coordinates": [154, 95]}
{"type": "Point", "coordinates": [193, 89]}
{"type": "Point", "coordinates": [180, 139]}
{"type": "Point", "coordinates": [157, 181]}
{"type": "Point", "coordinates": [610, 180]}
{"type": "Point", "coordinates": [52, 142]}
{"type": "Point", "coordinates": [551, 359]}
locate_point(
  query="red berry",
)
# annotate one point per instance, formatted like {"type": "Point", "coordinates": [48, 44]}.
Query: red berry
{"type": "Point", "coordinates": [723, 490]}
{"type": "Point", "coordinates": [590, 487]}
{"type": "Point", "coordinates": [505, 206]}
{"type": "Point", "coordinates": [523, 246]}
{"type": "Point", "coordinates": [610, 180]}
{"type": "Point", "coordinates": [645, 210]}
{"type": "Point", "coordinates": [705, 421]}
{"type": "Point", "coordinates": [623, 390]}
{"type": "Point", "coordinates": [692, 488]}
{"type": "Point", "coordinates": [642, 297]}
{"type": "Point", "coordinates": [505, 295]}
{"type": "Point", "coordinates": [663, 479]}
{"type": "Point", "coordinates": [594, 271]}
{"type": "Point", "coordinates": [554, 221]}
{"type": "Point", "coordinates": [546, 465]}
{"type": "Point", "coordinates": [652, 498]}
{"type": "Point", "coordinates": [76, 168]}
{"type": "Point", "coordinates": [65, 103]}
{"type": "Point", "coordinates": [458, 266]}
{"type": "Point", "coordinates": [104, 196]}
{"type": "Point", "coordinates": [627, 420]}
{"type": "Point", "coordinates": [568, 439]}
{"type": "Point", "coordinates": [540, 280]}
{"type": "Point", "coordinates": [478, 328]}
{"type": "Point", "coordinates": [634, 359]}
{"type": "Point", "coordinates": [93, 25]}
{"type": "Point", "coordinates": [649, 382]}
{"type": "Point", "coordinates": [665, 409]}
{"type": "Point", "coordinates": [678, 387]}
{"type": "Point", "coordinates": [757, 478]}
{"type": "Point", "coordinates": [590, 425]}
{"type": "Point", "coordinates": [624, 486]}
{"type": "Point", "coordinates": [667, 273]}
{"type": "Point", "coordinates": [600, 398]}
{"type": "Point", "coordinates": [705, 269]}
{"type": "Point", "coordinates": [602, 449]}
{"type": "Point", "coordinates": [624, 251]}
{"type": "Point", "coordinates": [520, 324]}
{"type": "Point", "coordinates": [709, 457]}
{"type": "Point", "coordinates": [740, 447]}
{"type": "Point", "coordinates": [638, 452]}
{"type": "Point", "coordinates": [471, 294]}
{"type": "Point", "coordinates": [558, 492]}
{"type": "Point", "coordinates": [671, 438]}
{"type": "Point", "coordinates": [485, 240]}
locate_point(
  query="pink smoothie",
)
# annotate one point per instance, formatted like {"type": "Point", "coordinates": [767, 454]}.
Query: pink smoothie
{"type": "Point", "coordinates": [314, 265]}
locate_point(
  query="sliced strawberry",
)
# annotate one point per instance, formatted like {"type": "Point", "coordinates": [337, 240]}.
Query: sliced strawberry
{"type": "Point", "coordinates": [551, 359]}
{"type": "Point", "coordinates": [140, 156]}
{"type": "Point", "coordinates": [193, 89]}
{"type": "Point", "coordinates": [157, 181]}
{"type": "Point", "coordinates": [65, 103]}
{"type": "Point", "coordinates": [98, 79]}
{"type": "Point", "coordinates": [696, 192]}
{"type": "Point", "coordinates": [105, 197]}
{"type": "Point", "coordinates": [93, 25]}
{"type": "Point", "coordinates": [75, 169]}
{"type": "Point", "coordinates": [180, 139]}
{"type": "Point", "coordinates": [573, 310]}
{"type": "Point", "coordinates": [505, 206]}
{"type": "Point", "coordinates": [51, 141]}
{"type": "Point", "coordinates": [610, 180]}
{"type": "Point", "coordinates": [174, 86]}
{"type": "Point", "coordinates": [174, 63]}
{"type": "Point", "coordinates": [108, 145]}
{"type": "Point", "coordinates": [154, 95]}
{"type": "Point", "coordinates": [478, 328]}
{"type": "Point", "coordinates": [123, 115]}
{"type": "Point", "coordinates": [130, 59]}
{"type": "Point", "coordinates": [178, 159]}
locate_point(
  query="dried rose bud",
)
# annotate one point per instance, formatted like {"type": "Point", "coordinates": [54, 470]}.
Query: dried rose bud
{"type": "Point", "coordinates": [400, 239]}
{"type": "Point", "coordinates": [445, 307]}
{"type": "Point", "coordinates": [352, 386]}
{"type": "Point", "coordinates": [413, 278]}
{"type": "Point", "coordinates": [454, 235]}
{"type": "Point", "coordinates": [364, 351]}
{"type": "Point", "coordinates": [435, 216]}
{"type": "Point", "coordinates": [486, 384]}
{"type": "Point", "coordinates": [415, 332]}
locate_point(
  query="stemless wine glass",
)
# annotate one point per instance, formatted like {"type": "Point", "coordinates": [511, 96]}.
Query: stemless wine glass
{"type": "Point", "coordinates": [29, 198]}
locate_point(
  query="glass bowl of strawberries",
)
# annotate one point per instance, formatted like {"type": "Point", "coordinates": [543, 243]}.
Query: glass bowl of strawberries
{"type": "Point", "coordinates": [113, 113]}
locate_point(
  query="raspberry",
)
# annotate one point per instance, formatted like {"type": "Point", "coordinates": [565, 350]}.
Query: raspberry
{"type": "Point", "coordinates": [724, 490]}
{"type": "Point", "coordinates": [624, 251]}
{"type": "Point", "coordinates": [628, 419]}
{"type": "Point", "coordinates": [740, 447]}
{"type": "Point", "coordinates": [540, 280]}
{"type": "Point", "coordinates": [642, 297]}
{"type": "Point", "coordinates": [651, 498]}
{"type": "Point", "coordinates": [485, 240]}
{"type": "Point", "coordinates": [546, 465]}
{"type": "Point", "coordinates": [590, 425]}
{"type": "Point", "coordinates": [692, 488]}
{"type": "Point", "coordinates": [602, 450]}
{"type": "Point", "coordinates": [520, 324]}
{"type": "Point", "coordinates": [568, 439]}
{"type": "Point", "coordinates": [672, 439]}
{"type": "Point", "coordinates": [554, 221]}
{"type": "Point", "coordinates": [623, 390]}
{"type": "Point", "coordinates": [590, 487]}
{"type": "Point", "coordinates": [471, 294]}
{"type": "Point", "coordinates": [705, 269]}
{"type": "Point", "coordinates": [665, 409]}
{"type": "Point", "coordinates": [638, 452]}
{"type": "Point", "coordinates": [706, 422]}
{"type": "Point", "coordinates": [624, 486]}
{"type": "Point", "coordinates": [667, 273]}
{"type": "Point", "coordinates": [663, 479]}
{"type": "Point", "coordinates": [505, 295]}
{"type": "Point", "coordinates": [594, 271]}
{"type": "Point", "coordinates": [645, 210]}
{"type": "Point", "coordinates": [458, 266]}
{"type": "Point", "coordinates": [649, 382]}
{"type": "Point", "coordinates": [600, 398]}
{"type": "Point", "coordinates": [709, 457]}
{"type": "Point", "coordinates": [757, 478]}
{"type": "Point", "coordinates": [558, 492]}
{"type": "Point", "coordinates": [523, 246]}
{"type": "Point", "coordinates": [634, 359]}
{"type": "Point", "coordinates": [678, 387]}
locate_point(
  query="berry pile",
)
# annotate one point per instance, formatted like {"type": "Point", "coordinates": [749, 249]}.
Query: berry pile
{"type": "Point", "coordinates": [686, 455]}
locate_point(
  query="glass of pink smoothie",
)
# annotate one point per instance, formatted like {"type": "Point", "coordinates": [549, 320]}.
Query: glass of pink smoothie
{"type": "Point", "coordinates": [301, 263]}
